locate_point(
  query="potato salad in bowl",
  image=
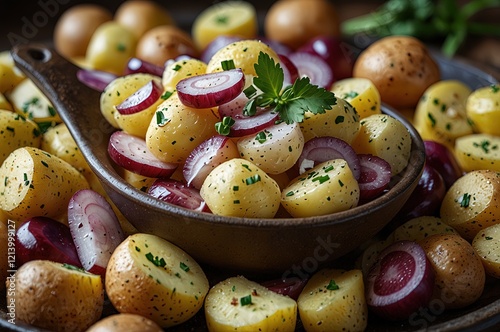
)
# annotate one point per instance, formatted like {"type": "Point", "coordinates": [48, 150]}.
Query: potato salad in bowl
{"type": "Point", "coordinates": [225, 180]}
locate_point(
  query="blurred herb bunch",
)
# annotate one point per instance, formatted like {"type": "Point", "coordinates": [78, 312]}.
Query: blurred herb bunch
{"type": "Point", "coordinates": [428, 20]}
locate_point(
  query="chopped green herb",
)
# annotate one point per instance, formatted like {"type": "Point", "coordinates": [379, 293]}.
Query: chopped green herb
{"type": "Point", "coordinates": [227, 64]}
{"type": "Point", "coordinates": [166, 95]}
{"type": "Point", "coordinates": [184, 267]}
{"type": "Point", "coordinates": [321, 179]}
{"type": "Point", "coordinates": [495, 88]}
{"type": "Point", "coordinates": [351, 95]}
{"type": "Point", "coordinates": [432, 119]}
{"type": "Point", "coordinates": [339, 119]}
{"type": "Point", "coordinates": [224, 127]}
{"type": "Point", "coordinates": [488, 238]}
{"type": "Point", "coordinates": [236, 188]}
{"type": "Point", "coordinates": [137, 249]}
{"type": "Point", "coordinates": [161, 119]}
{"type": "Point", "coordinates": [332, 285]}
{"type": "Point", "coordinates": [73, 268]}
{"type": "Point", "coordinates": [26, 181]}
{"type": "Point", "coordinates": [221, 19]}
{"type": "Point", "coordinates": [253, 179]}
{"type": "Point", "coordinates": [160, 262]}
{"type": "Point", "coordinates": [121, 47]}
{"type": "Point", "coordinates": [177, 67]}
{"type": "Point", "coordinates": [465, 200]}
{"type": "Point", "coordinates": [290, 193]}
{"type": "Point", "coordinates": [261, 137]}
{"type": "Point", "coordinates": [246, 300]}
{"type": "Point", "coordinates": [44, 163]}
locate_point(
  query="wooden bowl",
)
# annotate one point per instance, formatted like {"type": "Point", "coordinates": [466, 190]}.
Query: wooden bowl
{"type": "Point", "coordinates": [242, 244]}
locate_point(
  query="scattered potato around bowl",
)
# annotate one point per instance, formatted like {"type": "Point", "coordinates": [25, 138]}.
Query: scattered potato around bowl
{"type": "Point", "coordinates": [478, 152]}
{"type": "Point", "coordinates": [483, 109]}
{"type": "Point", "coordinates": [361, 93]}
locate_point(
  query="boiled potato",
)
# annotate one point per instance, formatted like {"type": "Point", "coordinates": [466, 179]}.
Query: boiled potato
{"type": "Point", "coordinates": [487, 245]}
{"type": "Point", "coordinates": [118, 90]}
{"type": "Point", "coordinates": [440, 114]}
{"type": "Point", "coordinates": [4, 248]}
{"type": "Point", "coordinates": [239, 188]}
{"type": "Point", "coordinates": [472, 203]}
{"type": "Point", "coordinates": [361, 93]}
{"type": "Point", "coordinates": [176, 130]}
{"type": "Point", "coordinates": [5, 104]}
{"type": "Point", "coordinates": [163, 43]}
{"type": "Point", "coordinates": [401, 68]}
{"type": "Point", "coordinates": [180, 69]}
{"type": "Point", "coordinates": [483, 109]}
{"type": "Point", "coordinates": [125, 322]}
{"type": "Point", "coordinates": [383, 136]}
{"type": "Point", "coordinates": [9, 78]}
{"type": "Point", "coordinates": [244, 53]}
{"type": "Point", "coordinates": [136, 180]}
{"type": "Point", "coordinates": [417, 229]}
{"type": "Point", "coordinates": [327, 188]}
{"type": "Point", "coordinates": [341, 121]}
{"type": "Point", "coordinates": [238, 304]}
{"type": "Point", "coordinates": [29, 101]}
{"type": "Point", "coordinates": [142, 16]}
{"type": "Point", "coordinates": [75, 28]}
{"type": "Point", "coordinates": [37, 183]}
{"type": "Point", "coordinates": [459, 272]}
{"type": "Point", "coordinates": [151, 277]}
{"type": "Point", "coordinates": [275, 150]}
{"type": "Point", "coordinates": [477, 152]}
{"type": "Point", "coordinates": [334, 300]}
{"type": "Point", "coordinates": [57, 296]}
{"type": "Point", "coordinates": [110, 48]}
{"type": "Point", "coordinates": [15, 132]}
{"type": "Point", "coordinates": [228, 18]}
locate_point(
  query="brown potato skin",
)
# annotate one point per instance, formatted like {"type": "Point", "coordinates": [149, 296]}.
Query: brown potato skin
{"type": "Point", "coordinates": [400, 67]}
{"type": "Point", "coordinates": [125, 322]}
{"type": "Point", "coordinates": [4, 263]}
{"type": "Point", "coordinates": [76, 26]}
{"type": "Point", "coordinates": [460, 275]}
{"type": "Point", "coordinates": [294, 22]}
{"type": "Point", "coordinates": [164, 42]}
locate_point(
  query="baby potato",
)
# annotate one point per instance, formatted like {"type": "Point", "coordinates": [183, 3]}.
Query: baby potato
{"type": "Point", "coordinates": [275, 149]}
{"type": "Point", "coordinates": [334, 300]}
{"type": "Point", "coordinates": [118, 90]}
{"type": "Point", "coordinates": [37, 183]}
{"type": "Point", "coordinates": [244, 54]}
{"type": "Point", "coordinates": [9, 78]}
{"type": "Point", "coordinates": [176, 130]}
{"type": "Point", "coordinates": [383, 136]}
{"type": "Point", "coordinates": [327, 188]}
{"type": "Point", "coordinates": [142, 16]}
{"type": "Point", "coordinates": [29, 101]}
{"type": "Point", "coordinates": [180, 69]}
{"type": "Point", "coordinates": [75, 28]}
{"type": "Point", "coordinates": [459, 272]}
{"type": "Point", "coordinates": [487, 245]}
{"type": "Point", "coordinates": [228, 18]}
{"type": "Point", "coordinates": [401, 68]}
{"type": "Point", "coordinates": [149, 276]}
{"type": "Point", "coordinates": [15, 132]}
{"type": "Point", "coordinates": [477, 152]}
{"type": "Point", "coordinates": [417, 229]}
{"type": "Point", "coordinates": [110, 48]}
{"type": "Point", "coordinates": [483, 109]}
{"type": "Point", "coordinates": [163, 43]}
{"type": "Point", "coordinates": [471, 203]}
{"type": "Point", "coordinates": [238, 304]}
{"type": "Point", "coordinates": [239, 188]}
{"type": "Point", "coordinates": [55, 296]}
{"type": "Point", "coordinates": [440, 114]}
{"type": "Point", "coordinates": [361, 93]}
{"type": "Point", "coordinates": [5, 104]}
{"type": "Point", "coordinates": [341, 121]}
{"type": "Point", "coordinates": [125, 322]}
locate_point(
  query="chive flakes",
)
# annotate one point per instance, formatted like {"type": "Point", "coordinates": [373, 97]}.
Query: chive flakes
{"type": "Point", "coordinates": [246, 300]}
{"type": "Point", "coordinates": [351, 94]}
{"type": "Point", "coordinates": [166, 95]}
{"type": "Point", "coordinates": [160, 262]}
{"type": "Point", "coordinates": [488, 238]}
{"type": "Point", "coordinates": [252, 180]}
{"type": "Point", "coordinates": [184, 267]}
{"type": "Point", "coordinates": [464, 202]}
{"type": "Point", "coordinates": [177, 67]}
{"type": "Point", "coordinates": [339, 119]}
{"type": "Point", "coordinates": [332, 285]}
{"type": "Point", "coordinates": [432, 119]}
{"type": "Point", "coordinates": [10, 129]}
{"type": "Point", "coordinates": [261, 137]}
{"type": "Point", "coordinates": [495, 88]}
{"type": "Point", "coordinates": [161, 119]}
{"type": "Point", "coordinates": [44, 163]}
{"type": "Point", "coordinates": [227, 64]}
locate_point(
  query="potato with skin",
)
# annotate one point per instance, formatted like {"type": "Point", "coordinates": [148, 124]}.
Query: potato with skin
{"type": "Point", "coordinates": [37, 183]}
{"type": "Point", "coordinates": [5, 104]}
{"type": "Point", "coordinates": [327, 188]}
{"type": "Point", "coordinates": [383, 136]}
{"type": "Point", "coordinates": [239, 188]}
{"type": "Point", "coordinates": [180, 69]}
{"type": "Point", "coordinates": [176, 129]}
{"type": "Point", "coordinates": [401, 68]}
{"type": "Point", "coordinates": [417, 229]}
{"type": "Point", "coordinates": [483, 109]}
{"type": "Point", "coordinates": [487, 245]}
{"type": "Point", "coordinates": [125, 322]}
{"type": "Point", "coordinates": [459, 272]}
{"type": "Point", "coordinates": [341, 121]}
{"type": "Point", "coordinates": [471, 203]}
{"type": "Point", "coordinates": [334, 300]}
{"type": "Point", "coordinates": [149, 276]}
{"type": "Point", "coordinates": [141, 16]}
{"type": "Point", "coordinates": [15, 132]}
{"type": "Point", "coordinates": [477, 152]}
{"type": "Point", "coordinates": [238, 304]}
{"type": "Point", "coordinates": [361, 93]}
{"type": "Point", "coordinates": [56, 296]}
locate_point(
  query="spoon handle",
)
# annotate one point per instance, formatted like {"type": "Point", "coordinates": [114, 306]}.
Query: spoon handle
{"type": "Point", "coordinates": [77, 105]}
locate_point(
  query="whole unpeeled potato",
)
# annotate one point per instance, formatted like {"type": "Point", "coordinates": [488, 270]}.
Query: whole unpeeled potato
{"type": "Point", "coordinates": [401, 68]}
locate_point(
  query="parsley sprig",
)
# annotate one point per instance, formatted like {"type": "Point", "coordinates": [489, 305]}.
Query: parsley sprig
{"type": "Point", "coordinates": [291, 102]}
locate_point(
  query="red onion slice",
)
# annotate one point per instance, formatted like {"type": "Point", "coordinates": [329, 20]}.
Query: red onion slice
{"type": "Point", "coordinates": [140, 100]}
{"type": "Point", "coordinates": [321, 149]}
{"type": "Point", "coordinates": [95, 79]}
{"type": "Point", "coordinates": [291, 286]}
{"type": "Point", "coordinates": [95, 229]}
{"type": "Point", "coordinates": [177, 193]}
{"type": "Point", "coordinates": [375, 176]}
{"type": "Point", "coordinates": [314, 67]}
{"type": "Point", "coordinates": [132, 153]}
{"type": "Point", "coordinates": [290, 71]}
{"type": "Point", "coordinates": [136, 65]}
{"type": "Point", "coordinates": [210, 90]}
{"type": "Point", "coordinates": [400, 282]}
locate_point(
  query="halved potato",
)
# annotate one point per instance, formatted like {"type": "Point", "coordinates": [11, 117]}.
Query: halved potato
{"type": "Point", "coordinates": [361, 93]}
{"type": "Point", "coordinates": [487, 245]}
